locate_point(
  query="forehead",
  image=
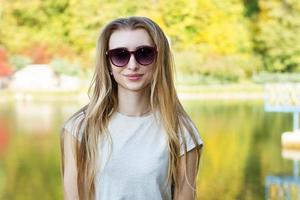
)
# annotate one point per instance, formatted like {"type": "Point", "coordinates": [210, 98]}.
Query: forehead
{"type": "Point", "coordinates": [129, 38]}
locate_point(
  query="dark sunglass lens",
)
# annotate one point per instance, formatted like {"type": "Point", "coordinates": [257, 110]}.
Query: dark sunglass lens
{"type": "Point", "coordinates": [145, 55]}
{"type": "Point", "coordinates": [119, 57]}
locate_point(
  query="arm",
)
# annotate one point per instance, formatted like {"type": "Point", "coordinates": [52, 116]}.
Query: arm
{"type": "Point", "coordinates": [70, 168]}
{"type": "Point", "coordinates": [186, 192]}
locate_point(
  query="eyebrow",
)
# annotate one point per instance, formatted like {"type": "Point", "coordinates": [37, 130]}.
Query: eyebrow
{"type": "Point", "coordinates": [123, 47]}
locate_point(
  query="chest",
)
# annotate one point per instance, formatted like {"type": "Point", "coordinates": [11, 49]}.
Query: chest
{"type": "Point", "coordinates": [134, 153]}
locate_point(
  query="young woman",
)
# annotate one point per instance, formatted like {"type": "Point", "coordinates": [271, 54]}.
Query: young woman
{"type": "Point", "coordinates": [133, 140]}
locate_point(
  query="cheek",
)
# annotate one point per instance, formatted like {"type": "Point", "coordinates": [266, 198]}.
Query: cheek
{"type": "Point", "coordinates": [116, 70]}
{"type": "Point", "coordinates": [149, 71]}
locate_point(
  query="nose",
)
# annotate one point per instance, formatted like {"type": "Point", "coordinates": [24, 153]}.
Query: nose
{"type": "Point", "coordinates": [132, 64]}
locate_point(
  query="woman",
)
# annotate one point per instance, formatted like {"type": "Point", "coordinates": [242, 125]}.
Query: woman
{"type": "Point", "coordinates": [133, 140]}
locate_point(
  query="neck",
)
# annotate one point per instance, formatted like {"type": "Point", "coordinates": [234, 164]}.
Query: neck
{"type": "Point", "coordinates": [134, 103]}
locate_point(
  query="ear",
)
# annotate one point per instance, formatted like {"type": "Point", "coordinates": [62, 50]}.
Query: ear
{"type": "Point", "coordinates": [110, 71]}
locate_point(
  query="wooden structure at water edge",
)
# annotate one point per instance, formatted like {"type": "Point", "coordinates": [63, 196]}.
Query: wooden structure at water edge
{"type": "Point", "coordinates": [285, 97]}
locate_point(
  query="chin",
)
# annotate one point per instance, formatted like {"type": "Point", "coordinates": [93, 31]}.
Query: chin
{"type": "Point", "coordinates": [135, 87]}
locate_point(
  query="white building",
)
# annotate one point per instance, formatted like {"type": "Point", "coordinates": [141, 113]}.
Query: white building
{"type": "Point", "coordinates": [42, 77]}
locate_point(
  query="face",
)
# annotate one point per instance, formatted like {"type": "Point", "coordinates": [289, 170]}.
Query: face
{"type": "Point", "coordinates": [133, 76]}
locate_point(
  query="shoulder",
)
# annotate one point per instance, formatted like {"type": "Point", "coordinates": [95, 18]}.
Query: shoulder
{"type": "Point", "coordinates": [188, 127]}
{"type": "Point", "coordinates": [189, 138]}
{"type": "Point", "coordinates": [74, 124]}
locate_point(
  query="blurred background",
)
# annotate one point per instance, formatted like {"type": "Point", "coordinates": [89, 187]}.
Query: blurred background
{"type": "Point", "coordinates": [225, 52]}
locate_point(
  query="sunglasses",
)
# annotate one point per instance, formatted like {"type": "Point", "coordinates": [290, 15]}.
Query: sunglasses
{"type": "Point", "coordinates": [144, 55]}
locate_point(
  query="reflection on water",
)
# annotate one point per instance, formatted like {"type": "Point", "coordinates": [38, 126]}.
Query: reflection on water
{"type": "Point", "coordinates": [34, 116]}
{"type": "Point", "coordinates": [30, 162]}
{"type": "Point", "coordinates": [241, 147]}
{"type": "Point", "coordinates": [39, 117]}
{"type": "Point", "coordinates": [285, 186]}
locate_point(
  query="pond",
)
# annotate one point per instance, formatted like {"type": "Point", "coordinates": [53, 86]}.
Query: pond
{"type": "Point", "coordinates": [242, 149]}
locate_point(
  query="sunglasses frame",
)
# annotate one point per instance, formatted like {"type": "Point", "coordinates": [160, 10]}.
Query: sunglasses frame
{"type": "Point", "coordinates": [109, 54]}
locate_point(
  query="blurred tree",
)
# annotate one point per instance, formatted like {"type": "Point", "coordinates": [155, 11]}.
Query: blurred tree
{"type": "Point", "coordinates": [5, 69]}
{"type": "Point", "coordinates": [212, 38]}
{"type": "Point", "coordinates": [251, 7]}
{"type": "Point", "coordinates": [277, 38]}
{"type": "Point", "coordinates": [19, 61]}
{"type": "Point", "coordinates": [226, 39]}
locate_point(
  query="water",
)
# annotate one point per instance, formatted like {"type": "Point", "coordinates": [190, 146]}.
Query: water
{"type": "Point", "coordinates": [241, 149]}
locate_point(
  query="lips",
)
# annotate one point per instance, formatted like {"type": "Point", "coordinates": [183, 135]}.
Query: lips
{"type": "Point", "coordinates": [133, 75]}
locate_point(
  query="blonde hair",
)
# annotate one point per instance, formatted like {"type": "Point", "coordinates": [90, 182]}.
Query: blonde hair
{"type": "Point", "coordinates": [104, 101]}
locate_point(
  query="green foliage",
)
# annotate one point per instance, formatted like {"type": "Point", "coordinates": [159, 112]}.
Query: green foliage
{"type": "Point", "coordinates": [267, 77]}
{"type": "Point", "coordinates": [66, 67]}
{"type": "Point", "coordinates": [229, 68]}
{"type": "Point", "coordinates": [228, 40]}
{"type": "Point", "coordinates": [251, 7]}
{"type": "Point", "coordinates": [277, 38]}
{"type": "Point", "coordinates": [19, 61]}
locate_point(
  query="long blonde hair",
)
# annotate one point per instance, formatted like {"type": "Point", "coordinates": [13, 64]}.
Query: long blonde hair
{"type": "Point", "coordinates": [104, 101]}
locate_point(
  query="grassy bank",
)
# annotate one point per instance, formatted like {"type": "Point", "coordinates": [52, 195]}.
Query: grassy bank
{"type": "Point", "coordinates": [11, 95]}
{"type": "Point", "coordinates": [217, 91]}
{"type": "Point", "coordinates": [220, 88]}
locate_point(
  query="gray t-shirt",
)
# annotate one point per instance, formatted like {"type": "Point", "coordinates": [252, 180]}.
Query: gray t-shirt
{"type": "Point", "coordinates": [138, 164]}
